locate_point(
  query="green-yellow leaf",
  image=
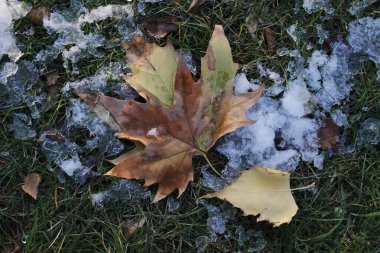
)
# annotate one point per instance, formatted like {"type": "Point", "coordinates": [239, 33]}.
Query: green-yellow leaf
{"type": "Point", "coordinates": [225, 110]}
{"type": "Point", "coordinates": [261, 191]}
{"type": "Point", "coordinates": [153, 69]}
{"type": "Point", "coordinates": [217, 66]}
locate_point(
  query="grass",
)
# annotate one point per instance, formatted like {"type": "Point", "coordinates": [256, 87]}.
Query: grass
{"type": "Point", "coordinates": [341, 215]}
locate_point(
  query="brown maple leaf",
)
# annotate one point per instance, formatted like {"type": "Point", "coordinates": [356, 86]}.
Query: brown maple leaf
{"type": "Point", "coordinates": [167, 134]}
{"type": "Point", "coordinates": [173, 125]}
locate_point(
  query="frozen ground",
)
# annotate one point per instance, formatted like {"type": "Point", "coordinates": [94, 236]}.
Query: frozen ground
{"type": "Point", "coordinates": [288, 120]}
{"type": "Point", "coordinates": [288, 116]}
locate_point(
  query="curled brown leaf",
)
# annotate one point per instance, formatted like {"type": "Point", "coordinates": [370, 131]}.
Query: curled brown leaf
{"type": "Point", "coordinates": [159, 28]}
{"type": "Point", "coordinates": [269, 39]}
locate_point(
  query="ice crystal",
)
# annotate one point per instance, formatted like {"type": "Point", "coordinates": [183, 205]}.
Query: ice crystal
{"type": "Point", "coordinates": [358, 6]}
{"type": "Point", "coordinates": [369, 131]}
{"type": "Point", "coordinates": [21, 127]}
{"type": "Point", "coordinates": [122, 190]}
{"type": "Point", "coordinates": [364, 39]}
{"type": "Point", "coordinates": [10, 10]}
{"type": "Point", "coordinates": [312, 6]}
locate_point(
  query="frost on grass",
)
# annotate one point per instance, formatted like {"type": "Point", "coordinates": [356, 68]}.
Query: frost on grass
{"type": "Point", "coordinates": [212, 181]}
{"type": "Point", "coordinates": [322, 33]}
{"type": "Point", "coordinates": [188, 57]}
{"type": "Point", "coordinates": [10, 10]}
{"type": "Point", "coordinates": [108, 80]}
{"type": "Point", "coordinates": [339, 118]}
{"type": "Point", "coordinates": [72, 41]}
{"type": "Point", "coordinates": [21, 127]}
{"type": "Point", "coordinates": [172, 204]}
{"type": "Point", "coordinates": [369, 131]}
{"type": "Point", "coordinates": [358, 6]}
{"type": "Point", "coordinates": [123, 190]}
{"type": "Point", "coordinates": [295, 32]}
{"type": "Point", "coordinates": [287, 121]}
{"type": "Point", "coordinates": [75, 153]}
{"type": "Point", "coordinates": [312, 6]}
{"type": "Point", "coordinates": [364, 38]}
{"type": "Point", "coordinates": [246, 240]}
{"type": "Point", "coordinates": [18, 86]}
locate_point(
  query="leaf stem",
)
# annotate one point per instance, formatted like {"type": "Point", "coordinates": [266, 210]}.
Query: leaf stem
{"type": "Point", "coordinates": [304, 187]}
{"type": "Point", "coordinates": [209, 163]}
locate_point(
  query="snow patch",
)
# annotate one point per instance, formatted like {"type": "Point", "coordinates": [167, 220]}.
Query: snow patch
{"type": "Point", "coordinates": [312, 6]}
{"type": "Point", "coordinates": [10, 10]}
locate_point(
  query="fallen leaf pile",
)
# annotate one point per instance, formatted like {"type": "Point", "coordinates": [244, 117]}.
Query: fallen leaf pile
{"type": "Point", "coordinates": [180, 117]}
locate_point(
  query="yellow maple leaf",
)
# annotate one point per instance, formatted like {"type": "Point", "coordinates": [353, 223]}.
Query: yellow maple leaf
{"type": "Point", "coordinates": [261, 191]}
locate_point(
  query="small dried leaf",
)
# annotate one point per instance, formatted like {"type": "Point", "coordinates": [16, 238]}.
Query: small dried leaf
{"type": "Point", "coordinates": [53, 89]}
{"type": "Point", "coordinates": [160, 27]}
{"type": "Point", "coordinates": [194, 4]}
{"type": "Point", "coordinates": [10, 248]}
{"type": "Point", "coordinates": [269, 39]}
{"type": "Point", "coordinates": [52, 77]}
{"type": "Point", "coordinates": [36, 15]}
{"type": "Point", "coordinates": [329, 135]}
{"type": "Point", "coordinates": [31, 183]}
{"type": "Point", "coordinates": [133, 226]}
{"type": "Point", "coordinates": [252, 27]}
{"type": "Point", "coordinates": [261, 191]}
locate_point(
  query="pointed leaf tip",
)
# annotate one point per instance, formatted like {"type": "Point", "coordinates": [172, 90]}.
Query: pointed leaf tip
{"type": "Point", "coordinates": [153, 69]}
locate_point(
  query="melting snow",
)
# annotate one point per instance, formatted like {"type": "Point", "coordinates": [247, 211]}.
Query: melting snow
{"type": "Point", "coordinates": [123, 190]}
{"type": "Point", "coordinates": [61, 149]}
{"type": "Point", "coordinates": [295, 32]}
{"type": "Point", "coordinates": [312, 6]}
{"type": "Point", "coordinates": [364, 39]}
{"type": "Point", "coordinates": [211, 181]}
{"type": "Point", "coordinates": [369, 131]}
{"type": "Point", "coordinates": [286, 129]}
{"type": "Point", "coordinates": [10, 10]}
{"type": "Point", "coordinates": [72, 41]}
{"type": "Point", "coordinates": [21, 126]}
{"type": "Point", "coordinates": [358, 6]}
{"type": "Point", "coordinates": [322, 33]}
{"type": "Point", "coordinates": [172, 204]}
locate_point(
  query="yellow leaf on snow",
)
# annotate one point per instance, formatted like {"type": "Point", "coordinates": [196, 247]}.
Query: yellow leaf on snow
{"type": "Point", "coordinates": [31, 183]}
{"type": "Point", "coordinates": [261, 191]}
